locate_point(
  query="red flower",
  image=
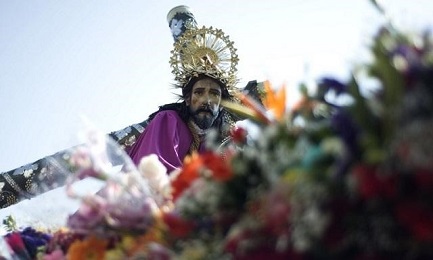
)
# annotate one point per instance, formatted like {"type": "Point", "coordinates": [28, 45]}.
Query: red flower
{"type": "Point", "coordinates": [194, 165]}
{"type": "Point", "coordinates": [253, 244]}
{"type": "Point", "coordinates": [239, 135]}
{"type": "Point", "coordinates": [178, 227]}
{"type": "Point", "coordinates": [336, 233]}
{"type": "Point", "coordinates": [417, 218]}
{"type": "Point", "coordinates": [371, 184]}
{"type": "Point", "coordinates": [237, 237]}
{"type": "Point", "coordinates": [220, 169]}
{"type": "Point", "coordinates": [424, 179]}
{"type": "Point", "coordinates": [16, 243]}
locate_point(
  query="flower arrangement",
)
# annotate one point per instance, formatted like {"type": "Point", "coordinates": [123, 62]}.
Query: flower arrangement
{"type": "Point", "coordinates": [324, 180]}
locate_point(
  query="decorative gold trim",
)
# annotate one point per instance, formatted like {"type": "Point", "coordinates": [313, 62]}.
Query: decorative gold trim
{"type": "Point", "coordinates": [204, 51]}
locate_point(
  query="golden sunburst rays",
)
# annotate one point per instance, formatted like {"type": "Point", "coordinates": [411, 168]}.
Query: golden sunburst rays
{"type": "Point", "coordinates": [204, 51]}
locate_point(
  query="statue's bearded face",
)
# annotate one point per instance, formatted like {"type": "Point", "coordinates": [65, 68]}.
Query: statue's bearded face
{"type": "Point", "coordinates": [204, 102]}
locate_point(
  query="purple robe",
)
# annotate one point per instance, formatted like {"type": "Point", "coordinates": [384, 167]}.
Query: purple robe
{"type": "Point", "coordinates": [167, 136]}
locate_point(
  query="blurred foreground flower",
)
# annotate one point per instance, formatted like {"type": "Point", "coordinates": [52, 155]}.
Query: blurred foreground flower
{"type": "Point", "coordinates": [275, 101]}
{"type": "Point", "coordinates": [324, 180]}
{"type": "Point", "coordinates": [126, 202]}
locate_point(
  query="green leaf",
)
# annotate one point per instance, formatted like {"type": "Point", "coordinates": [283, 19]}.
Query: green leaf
{"type": "Point", "coordinates": [10, 224]}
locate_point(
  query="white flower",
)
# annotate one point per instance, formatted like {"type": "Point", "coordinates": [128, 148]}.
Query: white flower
{"type": "Point", "coordinates": [81, 158]}
{"type": "Point", "coordinates": [155, 173]}
{"type": "Point", "coordinates": [176, 27]}
{"type": "Point", "coordinates": [202, 197]}
{"type": "Point", "coordinates": [333, 145]}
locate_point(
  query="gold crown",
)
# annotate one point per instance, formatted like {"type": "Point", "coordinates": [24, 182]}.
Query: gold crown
{"type": "Point", "coordinates": [205, 51]}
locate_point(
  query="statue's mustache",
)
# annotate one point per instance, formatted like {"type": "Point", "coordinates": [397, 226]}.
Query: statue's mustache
{"type": "Point", "coordinates": [206, 110]}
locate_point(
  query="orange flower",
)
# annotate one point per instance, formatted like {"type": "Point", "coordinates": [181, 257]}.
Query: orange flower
{"type": "Point", "coordinates": [275, 100]}
{"type": "Point", "coordinates": [257, 109]}
{"type": "Point", "coordinates": [304, 106]}
{"type": "Point", "coordinates": [190, 171]}
{"type": "Point", "coordinates": [90, 248]}
{"type": "Point", "coordinates": [194, 165]}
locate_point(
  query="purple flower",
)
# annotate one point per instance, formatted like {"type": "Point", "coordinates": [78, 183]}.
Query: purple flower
{"type": "Point", "coordinates": [346, 128]}
{"type": "Point", "coordinates": [33, 239]}
{"type": "Point", "coordinates": [326, 85]}
{"type": "Point", "coordinates": [134, 214]}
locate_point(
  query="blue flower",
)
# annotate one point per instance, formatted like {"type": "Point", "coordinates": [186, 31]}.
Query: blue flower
{"type": "Point", "coordinates": [326, 85]}
{"type": "Point", "coordinates": [33, 240]}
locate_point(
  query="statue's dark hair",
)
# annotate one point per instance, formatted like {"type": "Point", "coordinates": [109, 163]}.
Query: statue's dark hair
{"type": "Point", "coordinates": [182, 108]}
{"type": "Point", "coordinates": [186, 90]}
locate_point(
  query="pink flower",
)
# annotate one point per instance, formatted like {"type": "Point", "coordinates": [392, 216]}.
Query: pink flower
{"type": "Point", "coordinates": [89, 215]}
{"type": "Point", "coordinates": [80, 158]}
{"type": "Point", "coordinates": [276, 210]}
{"type": "Point", "coordinates": [55, 255]}
{"type": "Point", "coordinates": [113, 208]}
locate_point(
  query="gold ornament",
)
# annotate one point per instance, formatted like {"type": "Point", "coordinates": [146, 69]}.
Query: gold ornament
{"type": "Point", "coordinates": [205, 51]}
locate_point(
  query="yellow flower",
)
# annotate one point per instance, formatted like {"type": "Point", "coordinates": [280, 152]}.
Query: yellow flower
{"type": "Point", "coordinates": [129, 243]}
{"type": "Point", "coordinates": [194, 252]}
{"type": "Point", "coordinates": [90, 248]}
{"type": "Point", "coordinates": [293, 175]}
{"type": "Point", "coordinates": [275, 101]}
{"type": "Point", "coordinates": [136, 245]}
{"type": "Point", "coordinates": [114, 254]}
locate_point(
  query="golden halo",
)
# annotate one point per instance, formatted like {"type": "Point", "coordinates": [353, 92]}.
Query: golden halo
{"type": "Point", "coordinates": [204, 51]}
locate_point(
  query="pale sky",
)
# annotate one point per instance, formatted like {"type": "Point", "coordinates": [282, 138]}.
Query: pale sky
{"type": "Point", "coordinates": [108, 60]}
